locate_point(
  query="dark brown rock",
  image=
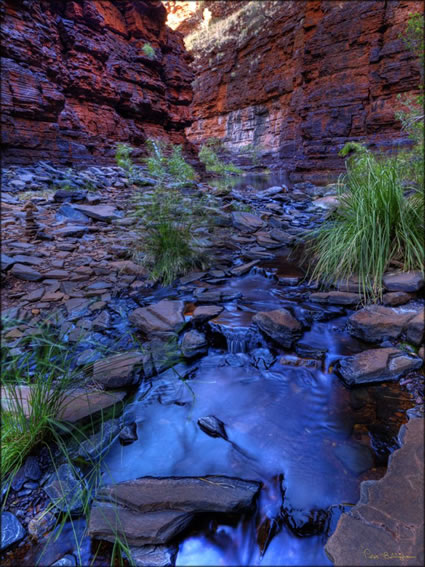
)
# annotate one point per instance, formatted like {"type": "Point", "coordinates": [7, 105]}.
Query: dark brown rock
{"type": "Point", "coordinates": [280, 325]}
{"type": "Point", "coordinates": [118, 370]}
{"type": "Point", "coordinates": [162, 318]}
{"type": "Point", "coordinates": [376, 323]}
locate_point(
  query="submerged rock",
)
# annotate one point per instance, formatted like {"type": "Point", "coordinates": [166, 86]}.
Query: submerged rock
{"type": "Point", "coordinates": [356, 458]}
{"type": "Point", "coordinates": [128, 434]}
{"type": "Point", "coordinates": [305, 523]}
{"type": "Point", "coordinates": [280, 325]}
{"type": "Point", "coordinates": [154, 510]}
{"type": "Point", "coordinates": [377, 365]}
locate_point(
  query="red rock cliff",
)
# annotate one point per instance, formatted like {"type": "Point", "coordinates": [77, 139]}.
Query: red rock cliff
{"type": "Point", "coordinates": [300, 78]}
{"type": "Point", "coordinates": [75, 78]}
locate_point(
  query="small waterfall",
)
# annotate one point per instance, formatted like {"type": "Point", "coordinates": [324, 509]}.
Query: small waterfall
{"type": "Point", "coordinates": [239, 339]}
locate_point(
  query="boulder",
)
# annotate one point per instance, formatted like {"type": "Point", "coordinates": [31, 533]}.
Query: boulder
{"type": "Point", "coordinates": [193, 344]}
{"type": "Point", "coordinates": [403, 281]}
{"type": "Point", "coordinates": [203, 313]}
{"type": "Point", "coordinates": [11, 530]}
{"type": "Point", "coordinates": [163, 318]}
{"type": "Point", "coordinates": [376, 323]}
{"type": "Point", "coordinates": [151, 511]}
{"type": "Point", "coordinates": [387, 522]}
{"type": "Point", "coordinates": [377, 365]}
{"type": "Point", "coordinates": [118, 370]}
{"type": "Point", "coordinates": [246, 222]}
{"type": "Point", "coordinates": [280, 325]}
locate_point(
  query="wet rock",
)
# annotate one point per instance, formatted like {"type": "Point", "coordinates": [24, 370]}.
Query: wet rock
{"type": "Point", "coordinates": [212, 426]}
{"type": "Point", "coordinates": [92, 448]}
{"type": "Point", "coordinates": [388, 519]}
{"type": "Point", "coordinates": [356, 458]}
{"type": "Point", "coordinates": [41, 524]}
{"type": "Point", "coordinates": [65, 561]}
{"type": "Point", "coordinates": [154, 510]}
{"type": "Point", "coordinates": [377, 365]}
{"type": "Point", "coordinates": [395, 298]}
{"type": "Point", "coordinates": [289, 280]}
{"type": "Point", "coordinates": [118, 370]}
{"type": "Point", "coordinates": [154, 556]}
{"type": "Point", "coordinates": [375, 323]}
{"type": "Point", "coordinates": [403, 281]}
{"type": "Point", "coordinates": [305, 523]}
{"type": "Point", "coordinates": [159, 355]}
{"type": "Point", "coordinates": [104, 213]}
{"type": "Point", "coordinates": [11, 530]}
{"type": "Point", "coordinates": [336, 297]}
{"type": "Point", "coordinates": [415, 328]}
{"type": "Point", "coordinates": [26, 273]}
{"type": "Point", "coordinates": [280, 325]}
{"type": "Point", "coordinates": [271, 191]}
{"type": "Point", "coordinates": [30, 470]}
{"type": "Point", "coordinates": [246, 222]}
{"type": "Point", "coordinates": [163, 318]}
{"type": "Point", "coordinates": [193, 344]}
{"type": "Point", "coordinates": [65, 490]}
{"type": "Point", "coordinates": [244, 269]}
{"type": "Point", "coordinates": [204, 313]}
{"type": "Point", "coordinates": [262, 358]}
{"type": "Point", "coordinates": [128, 434]}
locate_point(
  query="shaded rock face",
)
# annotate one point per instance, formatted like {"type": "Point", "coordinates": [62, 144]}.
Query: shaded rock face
{"type": "Point", "coordinates": [305, 79]}
{"type": "Point", "coordinates": [75, 79]}
{"type": "Point", "coordinates": [154, 510]}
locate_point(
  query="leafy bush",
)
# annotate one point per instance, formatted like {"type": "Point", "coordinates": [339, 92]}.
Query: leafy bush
{"type": "Point", "coordinates": [123, 158]}
{"type": "Point", "coordinates": [375, 226]}
{"type": "Point", "coordinates": [166, 161]}
{"type": "Point", "coordinates": [208, 156]}
{"type": "Point", "coordinates": [167, 246]}
{"type": "Point", "coordinates": [149, 51]}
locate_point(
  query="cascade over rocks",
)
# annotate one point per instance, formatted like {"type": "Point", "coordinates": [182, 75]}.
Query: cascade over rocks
{"type": "Point", "coordinates": [75, 79]}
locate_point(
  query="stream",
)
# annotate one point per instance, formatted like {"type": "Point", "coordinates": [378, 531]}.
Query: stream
{"type": "Point", "coordinates": [290, 423]}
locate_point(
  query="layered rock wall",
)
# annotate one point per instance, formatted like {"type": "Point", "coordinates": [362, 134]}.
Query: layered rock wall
{"type": "Point", "coordinates": [298, 79]}
{"type": "Point", "coordinates": [75, 79]}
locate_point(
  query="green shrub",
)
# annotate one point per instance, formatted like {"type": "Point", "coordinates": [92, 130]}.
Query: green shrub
{"type": "Point", "coordinates": [375, 226]}
{"type": "Point", "coordinates": [208, 156]}
{"type": "Point", "coordinates": [149, 51]}
{"type": "Point", "coordinates": [166, 162]}
{"type": "Point", "coordinates": [123, 158]}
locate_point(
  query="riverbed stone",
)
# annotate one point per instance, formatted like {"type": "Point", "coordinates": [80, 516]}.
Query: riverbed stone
{"type": "Point", "coordinates": [280, 325]}
{"type": "Point", "coordinates": [12, 530]}
{"type": "Point", "coordinates": [377, 365]}
{"type": "Point", "coordinates": [212, 426]}
{"type": "Point", "coordinates": [246, 222]}
{"type": "Point", "coordinates": [336, 297]}
{"type": "Point", "coordinates": [65, 490]}
{"type": "Point", "coordinates": [24, 272]}
{"type": "Point", "coordinates": [194, 344]}
{"type": "Point", "coordinates": [42, 523]}
{"type": "Point", "coordinates": [128, 434]}
{"type": "Point", "coordinates": [30, 470]}
{"type": "Point", "coordinates": [162, 318]}
{"type": "Point", "coordinates": [203, 313]}
{"type": "Point", "coordinates": [415, 328]}
{"type": "Point", "coordinates": [92, 448]}
{"type": "Point", "coordinates": [376, 323]}
{"type": "Point", "coordinates": [244, 268]}
{"type": "Point", "coordinates": [403, 281]}
{"type": "Point", "coordinates": [387, 522]}
{"type": "Point", "coordinates": [394, 298]}
{"type": "Point", "coordinates": [150, 511]}
{"type": "Point", "coordinates": [118, 370]}
{"type": "Point", "coordinates": [154, 555]}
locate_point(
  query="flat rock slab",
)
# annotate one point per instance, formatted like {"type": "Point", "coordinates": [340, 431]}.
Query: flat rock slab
{"type": "Point", "coordinates": [24, 272]}
{"type": "Point", "coordinates": [376, 323]}
{"type": "Point", "coordinates": [150, 511]}
{"type": "Point", "coordinates": [246, 222]}
{"type": "Point", "coordinates": [78, 404]}
{"type": "Point", "coordinates": [203, 313]}
{"type": "Point", "coordinates": [118, 370]}
{"type": "Point", "coordinates": [336, 297]}
{"type": "Point", "coordinates": [386, 525]}
{"type": "Point", "coordinates": [280, 325]}
{"type": "Point", "coordinates": [377, 365]}
{"type": "Point", "coordinates": [403, 281]}
{"type": "Point", "coordinates": [11, 530]}
{"type": "Point", "coordinates": [163, 318]}
{"type": "Point", "coordinates": [99, 212]}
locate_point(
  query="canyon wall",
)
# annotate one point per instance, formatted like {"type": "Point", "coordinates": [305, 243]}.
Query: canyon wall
{"type": "Point", "coordinates": [298, 79]}
{"type": "Point", "coordinates": [76, 79]}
